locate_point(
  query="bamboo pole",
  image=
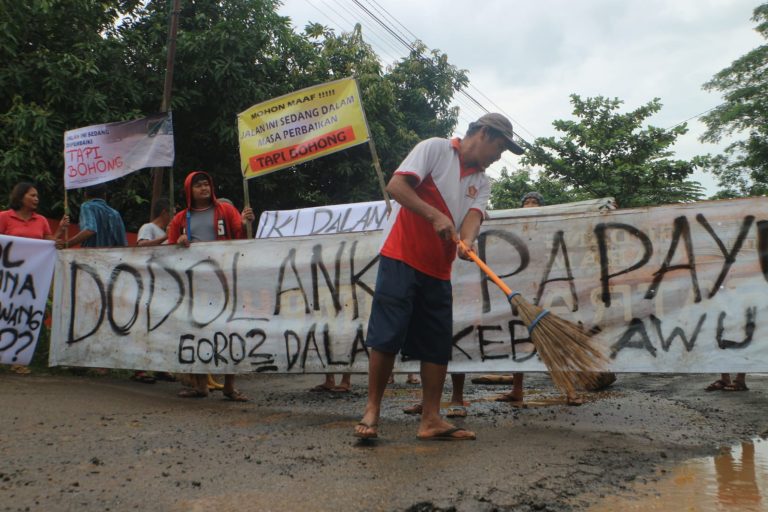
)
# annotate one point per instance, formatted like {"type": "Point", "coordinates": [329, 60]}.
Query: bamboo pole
{"type": "Point", "coordinates": [375, 156]}
{"type": "Point", "coordinates": [379, 173]}
{"type": "Point", "coordinates": [247, 201]}
{"type": "Point", "coordinates": [66, 212]}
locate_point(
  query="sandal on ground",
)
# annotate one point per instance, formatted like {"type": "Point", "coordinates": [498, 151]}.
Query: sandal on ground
{"type": "Point", "coordinates": [413, 409]}
{"type": "Point", "coordinates": [736, 385]}
{"type": "Point", "coordinates": [192, 393]}
{"type": "Point", "coordinates": [493, 379]}
{"type": "Point", "coordinates": [321, 388]}
{"type": "Point", "coordinates": [574, 401]}
{"type": "Point", "coordinates": [507, 397]}
{"type": "Point", "coordinates": [718, 385]}
{"type": "Point", "coordinates": [20, 370]}
{"type": "Point", "coordinates": [456, 411]}
{"type": "Point", "coordinates": [340, 389]}
{"type": "Point", "coordinates": [235, 396]}
{"type": "Point", "coordinates": [451, 434]}
{"type": "Point", "coordinates": [367, 435]}
{"type": "Point", "coordinates": [143, 378]}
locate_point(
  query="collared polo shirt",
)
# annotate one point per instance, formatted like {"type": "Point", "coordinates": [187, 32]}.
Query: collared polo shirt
{"type": "Point", "coordinates": [35, 227]}
{"type": "Point", "coordinates": [445, 184]}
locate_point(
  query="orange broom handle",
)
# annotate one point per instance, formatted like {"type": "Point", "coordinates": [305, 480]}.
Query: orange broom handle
{"type": "Point", "coordinates": [485, 268]}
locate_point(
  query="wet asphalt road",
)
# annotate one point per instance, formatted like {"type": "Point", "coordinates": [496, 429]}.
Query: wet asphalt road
{"type": "Point", "coordinates": [107, 443]}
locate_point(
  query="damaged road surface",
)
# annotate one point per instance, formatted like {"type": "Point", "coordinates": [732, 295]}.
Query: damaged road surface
{"type": "Point", "coordinates": [105, 443]}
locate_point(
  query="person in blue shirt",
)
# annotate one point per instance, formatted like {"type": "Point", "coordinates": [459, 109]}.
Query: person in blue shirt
{"type": "Point", "coordinates": [100, 224]}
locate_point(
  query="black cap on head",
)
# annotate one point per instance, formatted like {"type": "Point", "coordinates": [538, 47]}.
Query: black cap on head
{"type": "Point", "coordinates": [502, 125]}
{"type": "Point", "coordinates": [532, 195]}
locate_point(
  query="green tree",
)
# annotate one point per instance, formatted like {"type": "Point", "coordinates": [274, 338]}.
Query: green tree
{"type": "Point", "coordinates": [72, 63]}
{"type": "Point", "coordinates": [508, 189]}
{"type": "Point", "coordinates": [60, 70]}
{"type": "Point", "coordinates": [743, 169]}
{"type": "Point", "coordinates": [403, 104]}
{"type": "Point", "coordinates": [605, 153]}
{"type": "Point", "coordinates": [425, 83]}
{"type": "Point", "coordinates": [230, 55]}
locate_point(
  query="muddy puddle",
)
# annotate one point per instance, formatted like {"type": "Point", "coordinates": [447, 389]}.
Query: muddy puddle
{"type": "Point", "coordinates": [734, 480]}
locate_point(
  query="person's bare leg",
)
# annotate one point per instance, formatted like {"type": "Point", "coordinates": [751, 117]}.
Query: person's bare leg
{"type": "Point", "coordinates": [198, 386]}
{"type": "Point", "coordinates": [739, 383]}
{"type": "Point", "coordinates": [457, 383]}
{"type": "Point", "coordinates": [328, 385]}
{"type": "Point", "coordinates": [229, 389]}
{"type": "Point", "coordinates": [432, 382]}
{"type": "Point", "coordinates": [457, 408]}
{"type": "Point", "coordinates": [379, 369]}
{"type": "Point", "coordinates": [200, 381]}
{"type": "Point", "coordinates": [345, 384]}
{"type": "Point", "coordinates": [517, 386]}
{"type": "Point", "coordinates": [515, 396]}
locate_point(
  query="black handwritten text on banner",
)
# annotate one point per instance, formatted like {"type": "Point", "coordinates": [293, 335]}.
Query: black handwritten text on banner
{"type": "Point", "coordinates": [26, 268]}
{"type": "Point", "coordinates": [677, 288]}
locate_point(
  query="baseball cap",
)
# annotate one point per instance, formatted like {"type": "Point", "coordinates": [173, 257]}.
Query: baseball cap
{"type": "Point", "coordinates": [502, 125]}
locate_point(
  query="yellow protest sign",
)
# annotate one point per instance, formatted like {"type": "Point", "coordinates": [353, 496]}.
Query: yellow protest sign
{"type": "Point", "coordinates": [301, 126]}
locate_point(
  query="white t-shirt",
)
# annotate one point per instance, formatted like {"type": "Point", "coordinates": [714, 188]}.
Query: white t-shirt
{"type": "Point", "coordinates": [149, 231]}
{"type": "Point", "coordinates": [444, 183]}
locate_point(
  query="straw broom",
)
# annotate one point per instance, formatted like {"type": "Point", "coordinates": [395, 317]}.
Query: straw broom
{"type": "Point", "coordinates": [565, 348]}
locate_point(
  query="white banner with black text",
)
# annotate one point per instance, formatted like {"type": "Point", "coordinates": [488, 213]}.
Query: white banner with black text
{"type": "Point", "coordinates": [677, 288]}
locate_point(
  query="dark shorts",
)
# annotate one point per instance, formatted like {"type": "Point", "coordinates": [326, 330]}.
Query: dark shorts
{"type": "Point", "coordinates": [411, 313]}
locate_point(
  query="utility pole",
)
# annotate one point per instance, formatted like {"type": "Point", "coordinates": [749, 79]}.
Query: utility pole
{"type": "Point", "coordinates": [157, 172]}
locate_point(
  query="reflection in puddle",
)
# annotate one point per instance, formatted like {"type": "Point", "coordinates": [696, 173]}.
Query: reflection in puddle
{"type": "Point", "coordinates": [734, 480]}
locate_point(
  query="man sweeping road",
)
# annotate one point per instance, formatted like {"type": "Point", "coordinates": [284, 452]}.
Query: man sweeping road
{"type": "Point", "coordinates": [441, 184]}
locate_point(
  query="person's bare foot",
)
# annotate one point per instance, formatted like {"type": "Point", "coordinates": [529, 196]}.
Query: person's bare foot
{"type": "Point", "coordinates": [736, 385]}
{"type": "Point", "coordinates": [412, 379]}
{"type": "Point", "coordinates": [444, 431]}
{"type": "Point", "coordinates": [365, 430]}
{"type": "Point", "coordinates": [574, 400]}
{"type": "Point", "coordinates": [368, 426]}
{"type": "Point", "coordinates": [512, 397]}
{"type": "Point", "coordinates": [413, 409]}
{"type": "Point", "coordinates": [234, 396]}
{"type": "Point", "coordinates": [456, 410]}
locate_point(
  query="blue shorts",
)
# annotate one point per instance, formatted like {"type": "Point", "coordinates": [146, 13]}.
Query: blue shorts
{"type": "Point", "coordinates": [411, 313]}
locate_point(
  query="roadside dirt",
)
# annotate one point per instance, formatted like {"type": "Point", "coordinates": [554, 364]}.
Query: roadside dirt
{"type": "Point", "coordinates": [106, 443]}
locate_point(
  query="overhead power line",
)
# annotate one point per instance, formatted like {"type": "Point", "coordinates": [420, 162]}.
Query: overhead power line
{"type": "Point", "coordinates": [387, 35]}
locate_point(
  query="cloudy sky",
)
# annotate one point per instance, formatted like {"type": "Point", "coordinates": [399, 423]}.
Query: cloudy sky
{"type": "Point", "coordinates": [527, 57]}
